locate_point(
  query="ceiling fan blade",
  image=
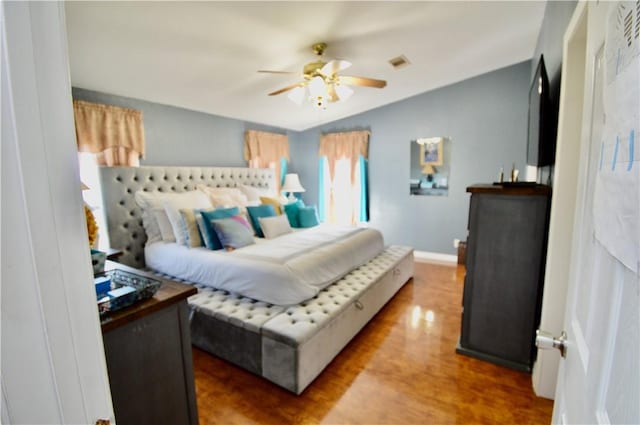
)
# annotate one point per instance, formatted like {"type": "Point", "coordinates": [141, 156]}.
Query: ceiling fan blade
{"type": "Point", "coordinates": [362, 81]}
{"type": "Point", "coordinates": [284, 89]}
{"type": "Point", "coordinates": [331, 92]}
{"type": "Point", "coordinates": [275, 72]}
{"type": "Point", "coordinates": [334, 66]}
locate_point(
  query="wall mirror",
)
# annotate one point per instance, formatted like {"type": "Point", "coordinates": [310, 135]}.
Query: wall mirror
{"type": "Point", "coordinates": [430, 165]}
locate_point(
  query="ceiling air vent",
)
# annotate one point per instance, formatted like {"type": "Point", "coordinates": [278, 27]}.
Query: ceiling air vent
{"type": "Point", "coordinates": [399, 62]}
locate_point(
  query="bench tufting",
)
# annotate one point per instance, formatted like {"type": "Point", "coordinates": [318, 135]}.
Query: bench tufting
{"type": "Point", "coordinates": [297, 323]}
{"type": "Point", "coordinates": [238, 310]}
{"type": "Point", "coordinates": [300, 322]}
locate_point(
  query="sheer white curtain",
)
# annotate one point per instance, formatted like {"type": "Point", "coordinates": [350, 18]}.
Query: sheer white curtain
{"type": "Point", "coordinates": [343, 200]}
{"type": "Point", "coordinates": [343, 178]}
{"type": "Point", "coordinates": [93, 195]}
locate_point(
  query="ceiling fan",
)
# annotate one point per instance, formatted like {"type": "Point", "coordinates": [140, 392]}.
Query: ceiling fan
{"type": "Point", "coordinates": [322, 82]}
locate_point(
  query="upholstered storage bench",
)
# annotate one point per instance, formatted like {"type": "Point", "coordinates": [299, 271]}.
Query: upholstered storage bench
{"type": "Point", "coordinates": [290, 346]}
{"type": "Point", "coordinates": [230, 326]}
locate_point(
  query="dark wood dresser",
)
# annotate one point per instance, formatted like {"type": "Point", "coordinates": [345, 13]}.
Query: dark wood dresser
{"type": "Point", "coordinates": [505, 258]}
{"type": "Point", "coordinates": [149, 360]}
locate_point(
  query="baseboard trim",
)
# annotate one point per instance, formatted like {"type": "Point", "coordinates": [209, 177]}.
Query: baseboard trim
{"type": "Point", "coordinates": [435, 257]}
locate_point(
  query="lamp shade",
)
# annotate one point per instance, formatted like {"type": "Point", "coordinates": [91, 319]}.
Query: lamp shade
{"type": "Point", "coordinates": [343, 92]}
{"type": "Point", "coordinates": [292, 184]}
{"type": "Point", "coordinates": [317, 87]}
{"type": "Point", "coordinates": [297, 95]}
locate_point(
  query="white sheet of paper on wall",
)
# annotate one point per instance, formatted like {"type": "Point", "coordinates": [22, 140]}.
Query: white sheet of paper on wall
{"type": "Point", "coordinates": [618, 177]}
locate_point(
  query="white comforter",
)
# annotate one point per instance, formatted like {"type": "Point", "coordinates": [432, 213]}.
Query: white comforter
{"type": "Point", "coordinates": [285, 270]}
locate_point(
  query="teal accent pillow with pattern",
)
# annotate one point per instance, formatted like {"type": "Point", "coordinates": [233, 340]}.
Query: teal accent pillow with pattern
{"type": "Point", "coordinates": [211, 238]}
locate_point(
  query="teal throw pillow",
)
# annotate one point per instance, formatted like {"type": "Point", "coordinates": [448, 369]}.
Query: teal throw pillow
{"type": "Point", "coordinates": [211, 238]}
{"type": "Point", "coordinates": [233, 232]}
{"type": "Point", "coordinates": [308, 216]}
{"type": "Point", "coordinates": [264, 210]}
{"type": "Point", "coordinates": [291, 210]}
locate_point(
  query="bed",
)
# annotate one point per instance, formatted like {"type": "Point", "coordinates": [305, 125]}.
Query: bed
{"type": "Point", "coordinates": [287, 339]}
{"type": "Point", "coordinates": [286, 270]}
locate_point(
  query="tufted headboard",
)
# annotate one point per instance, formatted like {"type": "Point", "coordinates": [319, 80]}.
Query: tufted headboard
{"type": "Point", "coordinates": [124, 218]}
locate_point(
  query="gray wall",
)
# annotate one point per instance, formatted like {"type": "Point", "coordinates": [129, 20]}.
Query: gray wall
{"type": "Point", "coordinates": [557, 15]}
{"type": "Point", "coordinates": [177, 136]}
{"type": "Point", "coordinates": [486, 120]}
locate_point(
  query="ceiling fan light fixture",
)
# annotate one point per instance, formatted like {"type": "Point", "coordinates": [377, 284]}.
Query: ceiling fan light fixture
{"type": "Point", "coordinates": [343, 92]}
{"type": "Point", "coordinates": [317, 87]}
{"type": "Point", "coordinates": [320, 103]}
{"type": "Point", "coordinates": [322, 84]}
{"type": "Point", "coordinates": [297, 95]}
{"type": "Point", "coordinates": [333, 67]}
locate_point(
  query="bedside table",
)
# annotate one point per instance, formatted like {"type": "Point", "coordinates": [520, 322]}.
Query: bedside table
{"type": "Point", "coordinates": [113, 254]}
{"type": "Point", "coordinates": [149, 360]}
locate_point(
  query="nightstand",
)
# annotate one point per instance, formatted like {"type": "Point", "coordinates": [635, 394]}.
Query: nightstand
{"type": "Point", "coordinates": [113, 254]}
{"type": "Point", "coordinates": [149, 360]}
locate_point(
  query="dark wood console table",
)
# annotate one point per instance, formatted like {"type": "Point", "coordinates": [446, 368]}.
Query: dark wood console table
{"type": "Point", "coordinates": [148, 352]}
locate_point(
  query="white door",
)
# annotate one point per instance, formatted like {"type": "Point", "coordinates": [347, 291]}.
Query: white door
{"type": "Point", "coordinates": [53, 369]}
{"type": "Point", "coordinates": [599, 379]}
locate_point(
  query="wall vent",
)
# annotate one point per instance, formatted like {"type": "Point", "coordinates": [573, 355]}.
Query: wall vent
{"type": "Point", "coordinates": [399, 62]}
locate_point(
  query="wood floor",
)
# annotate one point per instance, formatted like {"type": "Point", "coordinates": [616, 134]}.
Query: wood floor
{"type": "Point", "coordinates": [400, 369]}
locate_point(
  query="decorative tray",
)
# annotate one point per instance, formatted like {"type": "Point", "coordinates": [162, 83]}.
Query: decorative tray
{"type": "Point", "coordinates": [123, 289]}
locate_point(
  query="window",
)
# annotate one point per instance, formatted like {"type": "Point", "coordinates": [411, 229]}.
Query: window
{"type": "Point", "coordinates": [93, 195]}
{"type": "Point", "coordinates": [343, 179]}
{"type": "Point", "coordinates": [267, 150]}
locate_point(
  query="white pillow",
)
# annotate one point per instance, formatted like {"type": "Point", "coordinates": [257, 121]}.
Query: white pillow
{"type": "Point", "coordinates": [220, 200]}
{"type": "Point", "coordinates": [188, 200]}
{"type": "Point", "coordinates": [150, 201]}
{"type": "Point", "coordinates": [164, 224]}
{"type": "Point", "coordinates": [221, 195]}
{"type": "Point", "coordinates": [253, 194]}
{"type": "Point", "coordinates": [272, 227]}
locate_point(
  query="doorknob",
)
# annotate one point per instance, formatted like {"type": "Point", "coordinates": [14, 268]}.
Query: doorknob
{"type": "Point", "coordinates": [546, 340]}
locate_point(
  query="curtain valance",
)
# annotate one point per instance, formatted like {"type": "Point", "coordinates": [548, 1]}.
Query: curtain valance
{"type": "Point", "coordinates": [266, 150]}
{"type": "Point", "coordinates": [347, 145]}
{"type": "Point", "coordinates": [116, 134]}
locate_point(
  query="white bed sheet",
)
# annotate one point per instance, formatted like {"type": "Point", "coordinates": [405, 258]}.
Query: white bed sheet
{"type": "Point", "coordinates": [283, 271]}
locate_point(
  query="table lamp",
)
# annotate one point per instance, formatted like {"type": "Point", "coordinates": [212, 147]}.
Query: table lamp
{"type": "Point", "coordinates": [292, 185]}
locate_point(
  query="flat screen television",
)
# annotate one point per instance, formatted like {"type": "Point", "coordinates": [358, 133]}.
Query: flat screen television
{"type": "Point", "coordinates": [541, 141]}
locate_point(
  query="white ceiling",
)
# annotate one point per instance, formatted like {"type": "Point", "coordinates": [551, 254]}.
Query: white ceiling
{"type": "Point", "coordinates": [204, 55]}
